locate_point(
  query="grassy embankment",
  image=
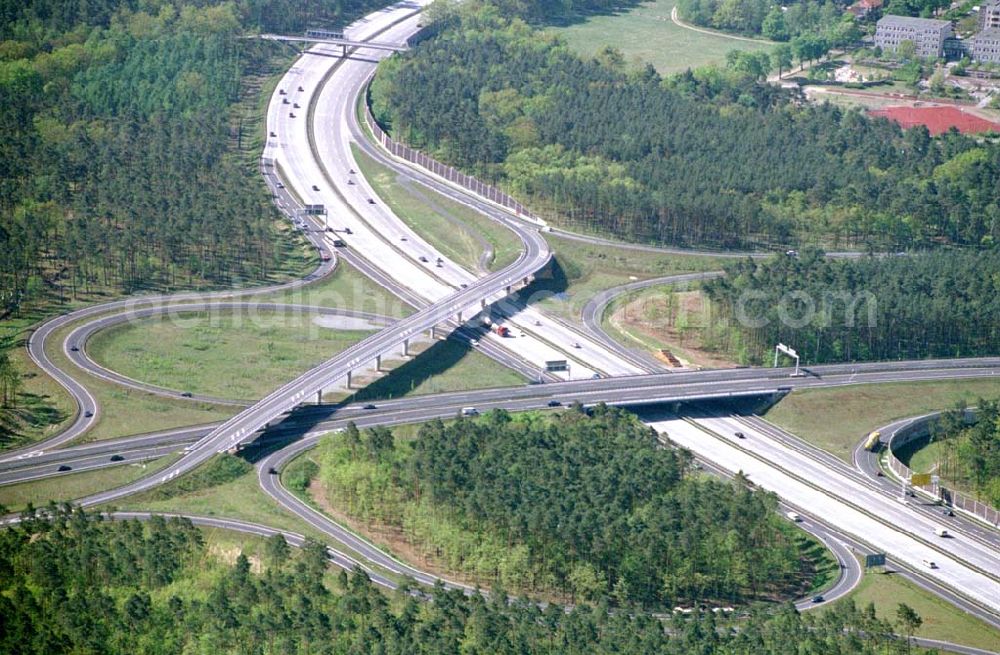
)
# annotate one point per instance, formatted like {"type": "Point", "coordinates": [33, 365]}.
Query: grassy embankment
{"type": "Point", "coordinates": [459, 232]}
{"type": "Point", "coordinates": [941, 620]}
{"type": "Point", "coordinates": [582, 270]}
{"type": "Point", "coordinates": [838, 419]}
{"type": "Point", "coordinates": [225, 487]}
{"type": "Point", "coordinates": [668, 317]}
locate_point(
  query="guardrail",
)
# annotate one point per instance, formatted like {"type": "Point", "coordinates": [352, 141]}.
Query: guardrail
{"type": "Point", "coordinates": [919, 428]}
{"type": "Point", "coordinates": [452, 175]}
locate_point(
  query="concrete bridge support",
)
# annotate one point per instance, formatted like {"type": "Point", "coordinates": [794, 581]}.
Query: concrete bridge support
{"type": "Point", "coordinates": [406, 347]}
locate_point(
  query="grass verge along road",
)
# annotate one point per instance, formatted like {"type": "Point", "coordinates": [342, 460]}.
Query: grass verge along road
{"type": "Point", "coordinates": [837, 419]}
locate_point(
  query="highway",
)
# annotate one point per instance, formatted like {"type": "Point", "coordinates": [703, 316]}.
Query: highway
{"type": "Point", "coordinates": [85, 401]}
{"type": "Point", "coordinates": [317, 164]}
{"type": "Point", "coordinates": [967, 566]}
{"type": "Point", "coordinates": [631, 392]}
{"type": "Point", "coordinates": [317, 153]}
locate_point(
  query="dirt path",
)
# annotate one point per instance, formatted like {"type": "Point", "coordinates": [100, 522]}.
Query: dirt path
{"type": "Point", "coordinates": [679, 23]}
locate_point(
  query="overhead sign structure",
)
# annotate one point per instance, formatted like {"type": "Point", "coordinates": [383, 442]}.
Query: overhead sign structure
{"type": "Point", "coordinates": [782, 348]}
{"type": "Point", "coordinates": [557, 365]}
{"type": "Point", "coordinates": [876, 559]}
{"type": "Point", "coordinates": [315, 210]}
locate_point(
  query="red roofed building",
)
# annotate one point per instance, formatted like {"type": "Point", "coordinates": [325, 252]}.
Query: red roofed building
{"type": "Point", "coordinates": [862, 8]}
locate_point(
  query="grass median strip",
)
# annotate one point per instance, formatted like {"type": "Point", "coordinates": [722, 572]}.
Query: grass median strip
{"type": "Point", "coordinates": [459, 232]}
{"type": "Point", "coordinates": [345, 288]}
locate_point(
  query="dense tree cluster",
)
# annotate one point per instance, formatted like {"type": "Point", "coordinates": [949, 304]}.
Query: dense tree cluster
{"type": "Point", "coordinates": [925, 8]}
{"type": "Point", "coordinates": [974, 450]}
{"type": "Point", "coordinates": [20, 18]}
{"type": "Point", "coordinates": [824, 21]}
{"type": "Point", "coordinates": [124, 161]}
{"type": "Point", "coordinates": [942, 304]}
{"type": "Point", "coordinates": [74, 583]}
{"type": "Point", "coordinates": [700, 158]}
{"type": "Point", "coordinates": [586, 505]}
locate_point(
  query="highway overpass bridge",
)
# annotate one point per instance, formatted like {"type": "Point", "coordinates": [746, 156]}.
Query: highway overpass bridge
{"type": "Point", "coordinates": [335, 39]}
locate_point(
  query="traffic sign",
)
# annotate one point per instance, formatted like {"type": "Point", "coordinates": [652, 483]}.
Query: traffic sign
{"type": "Point", "coordinates": [788, 351]}
{"type": "Point", "coordinates": [876, 559]}
{"type": "Point", "coordinates": [920, 479]}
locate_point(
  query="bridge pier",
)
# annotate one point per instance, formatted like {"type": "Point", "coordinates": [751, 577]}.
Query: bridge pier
{"type": "Point", "coordinates": [460, 318]}
{"type": "Point", "coordinates": [483, 303]}
{"type": "Point", "coordinates": [509, 287]}
{"type": "Point", "coordinates": [319, 397]}
{"type": "Point", "coordinates": [432, 333]}
{"type": "Point", "coordinates": [349, 379]}
{"type": "Point", "coordinates": [343, 51]}
{"type": "Point", "coordinates": [406, 347]}
{"type": "Point", "coordinates": [378, 363]}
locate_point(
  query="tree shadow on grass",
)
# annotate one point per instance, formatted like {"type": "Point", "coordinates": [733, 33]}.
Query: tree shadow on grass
{"type": "Point", "coordinates": [31, 416]}
{"type": "Point", "coordinates": [578, 17]}
{"type": "Point", "coordinates": [437, 359]}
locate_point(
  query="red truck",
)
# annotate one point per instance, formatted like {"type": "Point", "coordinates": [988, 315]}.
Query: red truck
{"type": "Point", "coordinates": [501, 330]}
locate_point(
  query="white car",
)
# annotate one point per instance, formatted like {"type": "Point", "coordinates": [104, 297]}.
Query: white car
{"type": "Point", "coordinates": [792, 516]}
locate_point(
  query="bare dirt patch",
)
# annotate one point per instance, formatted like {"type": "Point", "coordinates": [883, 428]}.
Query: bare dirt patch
{"type": "Point", "coordinates": [675, 321]}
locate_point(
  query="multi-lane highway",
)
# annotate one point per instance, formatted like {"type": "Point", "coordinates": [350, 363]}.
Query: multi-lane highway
{"type": "Point", "coordinates": [844, 499]}
{"type": "Point", "coordinates": [310, 150]}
